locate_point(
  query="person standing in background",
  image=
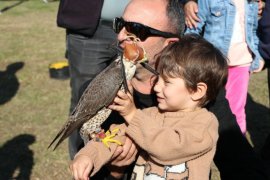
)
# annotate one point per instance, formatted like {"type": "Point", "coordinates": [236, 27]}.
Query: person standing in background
{"type": "Point", "coordinates": [232, 27]}
{"type": "Point", "coordinates": [89, 35]}
{"type": "Point", "coordinates": [264, 48]}
{"type": "Point", "coordinates": [191, 12]}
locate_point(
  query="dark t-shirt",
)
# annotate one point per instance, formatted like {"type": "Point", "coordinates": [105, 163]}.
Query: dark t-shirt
{"type": "Point", "coordinates": [80, 16]}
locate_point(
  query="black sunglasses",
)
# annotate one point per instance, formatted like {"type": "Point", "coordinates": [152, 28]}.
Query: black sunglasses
{"type": "Point", "coordinates": [139, 30]}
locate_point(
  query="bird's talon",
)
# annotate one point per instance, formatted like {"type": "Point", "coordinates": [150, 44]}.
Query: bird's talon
{"type": "Point", "coordinates": [109, 137]}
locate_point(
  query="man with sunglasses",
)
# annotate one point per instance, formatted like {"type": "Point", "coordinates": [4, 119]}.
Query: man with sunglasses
{"type": "Point", "coordinates": [157, 23]}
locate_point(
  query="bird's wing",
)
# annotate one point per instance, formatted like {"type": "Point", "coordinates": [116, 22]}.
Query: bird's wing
{"type": "Point", "coordinates": [99, 93]}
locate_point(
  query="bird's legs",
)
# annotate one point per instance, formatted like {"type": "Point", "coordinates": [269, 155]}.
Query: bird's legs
{"type": "Point", "coordinates": [107, 137]}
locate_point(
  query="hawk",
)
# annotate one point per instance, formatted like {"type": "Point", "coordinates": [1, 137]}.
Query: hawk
{"type": "Point", "coordinates": [92, 111]}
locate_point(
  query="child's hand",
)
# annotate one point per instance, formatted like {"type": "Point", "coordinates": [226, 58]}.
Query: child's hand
{"type": "Point", "coordinates": [191, 17]}
{"type": "Point", "coordinates": [124, 104]}
{"type": "Point", "coordinates": [261, 66]}
{"type": "Point", "coordinates": [80, 167]}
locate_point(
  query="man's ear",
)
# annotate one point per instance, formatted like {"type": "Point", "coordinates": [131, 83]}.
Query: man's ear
{"type": "Point", "coordinates": [169, 41]}
{"type": "Point", "coordinates": [200, 93]}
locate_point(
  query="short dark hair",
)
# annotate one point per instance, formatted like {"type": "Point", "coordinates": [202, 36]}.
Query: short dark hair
{"type": "Point", "coordinates": [176, 16]}
{"type": "Point", "coordinates": [195, 60]}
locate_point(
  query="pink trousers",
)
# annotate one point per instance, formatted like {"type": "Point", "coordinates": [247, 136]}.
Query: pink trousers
{"type": "Point", "coordinates": [236, 93]}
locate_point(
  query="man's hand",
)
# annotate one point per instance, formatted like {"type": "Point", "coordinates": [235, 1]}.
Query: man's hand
{"type": "Point", "coordinates": [80, 167]}
{"type": "Point", "coordinates": [191, 10]}
{"type": "Point", "coordinates": [122, 157]}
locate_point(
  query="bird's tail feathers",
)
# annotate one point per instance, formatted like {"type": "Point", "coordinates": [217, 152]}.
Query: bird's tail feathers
{"type": "Point", "coordinates": [56, 137]}
{"type": "Point", "coordinates": [66, 131]}
{"type": "Point", "coordinates": [61, 133]}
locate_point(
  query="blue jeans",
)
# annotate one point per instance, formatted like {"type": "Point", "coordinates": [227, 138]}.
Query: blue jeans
{"type": "Point", "coordinates": [87, 57]}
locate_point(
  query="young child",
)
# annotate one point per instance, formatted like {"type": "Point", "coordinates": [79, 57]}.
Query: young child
{"type": "Point", "coordinates": [232, 27]}
{"type": "Point", "coordinates": [178, 138]}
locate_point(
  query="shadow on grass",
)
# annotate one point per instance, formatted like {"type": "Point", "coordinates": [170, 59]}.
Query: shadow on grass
{"type": "Point", "coordinates": [16, 159]}
{"type": "Point", "coordinates": [11, 6]}
{"type": "Point", "coordinates": [258, 122]}
{"type": "Point", "coordinates": [9, 83]}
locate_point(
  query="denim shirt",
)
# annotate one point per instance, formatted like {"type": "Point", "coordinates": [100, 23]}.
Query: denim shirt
{"type": "Point", "coordinates": [217, 18]}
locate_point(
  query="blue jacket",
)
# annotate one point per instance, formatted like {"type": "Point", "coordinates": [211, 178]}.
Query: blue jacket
{"type": "Point", "coordinates": [217, 19]}
{"type": "Point", "coordinates": [264, 27]}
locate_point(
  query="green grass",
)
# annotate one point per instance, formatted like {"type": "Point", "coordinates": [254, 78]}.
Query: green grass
{"type": "Point", "coordinates": [40, 105]}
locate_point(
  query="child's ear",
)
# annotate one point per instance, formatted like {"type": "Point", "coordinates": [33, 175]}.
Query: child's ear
{"type": "Point", "coordinates": [169, 41]}
{"type": "Point", "coordinates": [200, 93]}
